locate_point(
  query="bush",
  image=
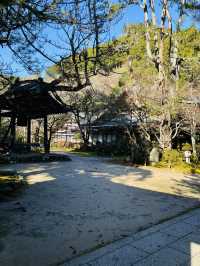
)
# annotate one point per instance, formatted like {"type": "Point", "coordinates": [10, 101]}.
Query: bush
{"type": "Point", "coordinates": [185, 168]}
{"type": "Point", "coordinates": [198, 151]}
{"type": "Point", "coordinates": [172, 157]}
{"type": "Point", "coordinates": [121, 82]}
{"type": "Point", "coordinates": [195, 159]}
{"type": "Point", "coordinates": [187, 147]}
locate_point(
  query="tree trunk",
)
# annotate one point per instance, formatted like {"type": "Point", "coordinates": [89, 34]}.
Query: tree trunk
{"type": "Point", "coordinates": [157, 57]}
{"type": "Point", "coordinates": [49, 143]}
{"type": "Point", "coordinates": [193, 140]}
{"type": "Point", "coordinates": [48, 147]}
{"type": "Point", "coordinates": [165, 138]}
{"type": "Point", "coordinates": [83, 132]}
{"type": "Point", "coordinates": [132, 153]}
{"type": "Point", "coordinates": [85, 138]}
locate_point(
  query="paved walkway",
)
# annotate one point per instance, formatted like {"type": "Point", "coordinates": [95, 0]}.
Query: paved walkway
{"type": "Point", "coordinates": [175, 242]}
{"type": "Point", "coordinates": [71, 208]}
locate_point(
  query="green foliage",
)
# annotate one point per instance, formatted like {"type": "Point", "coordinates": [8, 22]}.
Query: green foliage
{"type": "Point", "coordinates": [116, 91]}
{"type": "Point", "coordinates": [171, 157]}
{"type": "Point", "coordinates": [114, 9]}
{"type": "Point", "coordinates": [20, 138]}
{"type": "Point", "coordinates": [198, 152]}
{"type": "Point", "coordinates": [185, 168]}
{"type": "Point", "coordinates": [189, 51]}
{"type": "Point", "coordinates": [187, 147]}
{"type": "Point", "coordinates": [174, 159]}
{"type": "Point", "coordinates": [122, 81]}
{"type": "Point", "coordinates": [77, 136]}
{"type": "Point", "coordinates": [53, 71]}
{"type": "Point", "coordinates": [132, 46]}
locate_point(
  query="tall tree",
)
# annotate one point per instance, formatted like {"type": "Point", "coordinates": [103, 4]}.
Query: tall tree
{"type": "Point", "coordinates": [86, 106]}
{"type": "Point", "coordinates": [161, 50]}
{"type": "Point", "coordinates": [79, 24]}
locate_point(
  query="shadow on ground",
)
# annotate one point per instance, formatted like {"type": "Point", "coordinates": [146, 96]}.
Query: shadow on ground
{"type": "Point", "coordinates": [70, 208]}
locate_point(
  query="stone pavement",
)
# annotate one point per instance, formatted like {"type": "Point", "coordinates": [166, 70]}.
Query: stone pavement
{"type": "Point", "coordinates": [72, 208]}
{"type": "Point", "coordinates": [174, 242]}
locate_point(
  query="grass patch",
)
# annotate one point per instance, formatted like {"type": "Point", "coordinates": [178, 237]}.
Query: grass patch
{"type": "Point", "coordinates": [174, 159]}
{"type": "Point", "coordinates": [181, 167]}
{"type": "Point", "coordinates": [76, 151]}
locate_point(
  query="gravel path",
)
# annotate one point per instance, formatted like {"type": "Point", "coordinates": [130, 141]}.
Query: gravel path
{"type": "Point", "coordinates": [70, 208]}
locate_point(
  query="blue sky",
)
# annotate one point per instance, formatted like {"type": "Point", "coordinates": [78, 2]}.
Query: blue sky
{"type": "Point", "coordinates": [132, 14]}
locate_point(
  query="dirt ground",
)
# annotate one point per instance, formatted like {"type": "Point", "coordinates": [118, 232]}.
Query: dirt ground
{"type": "Point", "coordinates": [70, 208]}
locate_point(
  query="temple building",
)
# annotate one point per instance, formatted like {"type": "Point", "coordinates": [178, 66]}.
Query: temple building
{"type": "Point", "coordinates": [26, 100]}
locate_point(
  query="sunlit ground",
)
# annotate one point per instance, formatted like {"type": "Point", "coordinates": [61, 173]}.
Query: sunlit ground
{"type": "Point", "coordinates": [70, 208]}
{"type": "Point", "coordinates": [163, 180]}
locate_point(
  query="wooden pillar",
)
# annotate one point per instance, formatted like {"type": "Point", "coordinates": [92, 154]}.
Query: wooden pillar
{"type": "Point", "coordinates": [13, 130]}
{"type": "Point", "coordinates": [29, 134]}
{"type": "Point", "coordinates": [46, 146]}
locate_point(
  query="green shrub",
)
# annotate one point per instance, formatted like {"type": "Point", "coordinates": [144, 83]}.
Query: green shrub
{"type": "Point", "coordinates": [122, 82]}
{"type": "Point", "coordinates": [184, 168]}
{"type": "Point", "coordinates": [172, 157]}
{"type": "Point", "coordinates": [195, 159]}
{"type": "Point", "coordinates": [186, 147]}
{"type": "Point", "coordinates": [198, 151]}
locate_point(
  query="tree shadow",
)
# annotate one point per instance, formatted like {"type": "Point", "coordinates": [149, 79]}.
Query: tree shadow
{"type": "Point", "coordinates": [189, 183]}
{"type": "Point", "coordinates": [70, 208]}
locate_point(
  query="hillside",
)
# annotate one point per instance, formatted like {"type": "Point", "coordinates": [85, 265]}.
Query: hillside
{"type": "Point", "coordinates": [126, 61]}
